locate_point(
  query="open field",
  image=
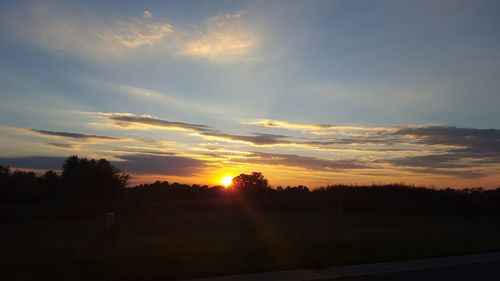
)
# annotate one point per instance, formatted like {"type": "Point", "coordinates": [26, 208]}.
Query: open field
{"type": "Point", "coordinates": [185, 244]}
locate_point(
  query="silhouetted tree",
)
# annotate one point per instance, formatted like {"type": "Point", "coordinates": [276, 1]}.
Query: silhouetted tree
{"type": "Point", "coordinates": [4, 176]}
{"type": "Point", "coordinates": [92, 178]}
{"type": "Point", "coordinates": [83, 178]}
{"type": "Point", "coordinates": [24, 180]}
{"type": "Point", "coordinates": [255, 182]}
{"type": "Point", "coordinates": [50, 178]}
{"type": "Point", "coordinates": [50, 183]}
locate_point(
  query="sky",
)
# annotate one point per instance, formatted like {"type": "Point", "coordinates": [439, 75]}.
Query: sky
{"type": "Point", "coordinates": [306, 92]}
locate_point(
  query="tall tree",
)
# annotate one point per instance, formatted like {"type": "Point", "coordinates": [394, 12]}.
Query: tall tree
{"type": "Point", "coordinates": [254, 182]}
{"type": "Point", "coordinates": [92, 178]}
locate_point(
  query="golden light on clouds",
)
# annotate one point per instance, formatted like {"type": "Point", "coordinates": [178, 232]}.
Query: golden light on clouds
{"type": "Point", "coordinates": [226, 38]}
{"type": "Point", "coordinates": [95, 38]}
{"type": "Point", "coordinates": [223, 38]}
{"type": "Point", "coordinates": [221, 46]}
{"type": "Point", "coordinates": [192, 93]}
{"type": "Point", "coordinates": [137, 33]}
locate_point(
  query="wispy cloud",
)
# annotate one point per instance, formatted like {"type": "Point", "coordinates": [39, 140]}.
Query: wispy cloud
{"type": "Point", "coordinates": [161, 164]}
{"type": "Point", "coordinates": [81, 141]}
{"type": "Point", "coordinates": [132, 121]}
{"type": "Point", "coordinates": [127, 120]}
{"type": "Point", "coordinates": [139, 32]}
{"type": "Point", "coordinates": [63, 145]}
{"type": "Point", "coordinates": [322, 129]}
{"type": "Point", "coordinates": [34, 162]}
{"type": "Point", "coordinates": [255, 139]}
{"type": "Point", "coordinates": [430, 161]}
{"type": "Point", "coordinates": [134, 163]}
{"type": "Point", "coordinates": [466, 148]}
{"type": "Point", "coordinates": [310, 163]}
{"type": "Point", "coordinates": [72, 135]}
{"type": "Point", "coordinates": [464, 174]}
{"type": "Point", "coordinates": [439, 151]}
{"type": "Point", "coordinates": [225, 38]}
{"type": "Point", "coordinates": [93, 37]}
{"type": "Point", "coordinates": [170, 100]}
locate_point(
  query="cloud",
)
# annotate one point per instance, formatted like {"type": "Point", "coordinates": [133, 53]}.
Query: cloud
{"type": "Point", "coordinates": [167, 99]}
{"type": "Point", "coordinates": [91, 142]}
{"type": "Point", "coordinates": [131, 120]}
{"type": "Point", "coordinates": [481, 144]}
{"type": "Point", "coordinates": [126, 120]}
{"type": "Point", "coordinates": [322, 129]}
{"type": "Point", "coordinates": [135, 151]}
{"type": "Point", "coordinates": [259, 139]}
{"type": "Point", "coordinates": [429, 161]}
{"type": "Point", "coordinates": [72, 135]}
{"type": "Point", "coordinates": [137, 33]}
{"type": "Point", "coordinates": [466, 148]}
{"type": "Point", "coordinates": [147, 14]}
{"type": "Point", "coordinates": [432, 150]}
{"type": "Point", "coordinates": [135, 163]}
{"type": "Point", "coordinates": [256, 139]}
{"type": "Point", "coordinates": [466, 174]}
{"type": "Point", "coordinates": [34, 162]}
{"type": "Point", "coordinates": [225, 39]}
{"type": "Point", "coordinates": [474, 139]}
{"type": "Point", "coordinates": [63, 145]}
{"type": "Point", "coordinates": [161, 164]}
{"type": "Point", "coordinates": [310, 163]}
{"type": "Point", "coordinates": [53, 28]}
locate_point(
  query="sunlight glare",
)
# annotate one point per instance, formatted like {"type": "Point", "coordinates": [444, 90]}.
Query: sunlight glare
{"type": "Point", "coordinates": [226, 181]}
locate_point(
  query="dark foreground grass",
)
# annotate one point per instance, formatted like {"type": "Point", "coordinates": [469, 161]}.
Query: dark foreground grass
{"type": "Point", "coordinates": [197, 244]}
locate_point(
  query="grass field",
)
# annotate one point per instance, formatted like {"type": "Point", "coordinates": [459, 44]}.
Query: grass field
{"type": "Point", "coordinates": [197, 244]}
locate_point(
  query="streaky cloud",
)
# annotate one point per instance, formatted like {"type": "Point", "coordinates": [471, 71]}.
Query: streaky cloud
{"type": "Point", "coordinates": [33, 162]}
{"type": "Point", "coordinates": [310, 163]}
{"type": "Point", "coordinates": [463, 143]}
{"type": "Point", "coordinates": [172, 165]}
{"type": "Point", "coordinates": [52, 28]}
{"type": "Point", "coordinates": [126, 120]}
{"type": "Point", "coordinates": [256, 139]}
{"type": "Point", "coordinates": [161, 164]}
{"type": "Point", "coordinates": [224, 39]}
{"type": "Point", "coordinates": [466, 148]}
{"type": "Point", "coordinates": [63, 145]}
{"type": "Point", "coordinates": [465, 174]}
{"type": "Point", "coordinates": [321, 129]}
{"type": "Point", "coordinates": [72, 135]}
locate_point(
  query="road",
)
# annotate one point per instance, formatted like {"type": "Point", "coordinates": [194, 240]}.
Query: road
{"type": "Point", "coordinates": [478, 271]}
{"type": "Point", "coordinates": [456, 268]}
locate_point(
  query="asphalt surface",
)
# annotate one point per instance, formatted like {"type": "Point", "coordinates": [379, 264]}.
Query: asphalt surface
{"type": "Point", "coordinates": [455, 268]}
{"type": "Point", "coordinates": [475, 271]}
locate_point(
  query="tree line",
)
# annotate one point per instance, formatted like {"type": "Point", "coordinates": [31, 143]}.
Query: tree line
{"type": "Point", "coordinates": [84, 179]}
{"type": "Point", "coordinates": [80, 178]}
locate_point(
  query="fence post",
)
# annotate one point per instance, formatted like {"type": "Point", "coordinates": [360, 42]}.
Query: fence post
{"type": "Point", "coordinates": [110, 223]}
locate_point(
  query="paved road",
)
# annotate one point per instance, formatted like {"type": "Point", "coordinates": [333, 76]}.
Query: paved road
{"type": "Point", "coordinates": [481, 271]}
{"type": "Point", "coordinates": [455, 268]}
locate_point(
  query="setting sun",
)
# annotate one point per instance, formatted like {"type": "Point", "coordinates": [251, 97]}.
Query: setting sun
{"type": "Point", "coordinates": [226, 181]}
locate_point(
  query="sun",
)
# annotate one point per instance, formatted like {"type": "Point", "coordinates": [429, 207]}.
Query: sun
{"type": "Point", "coordinates": [226, 181]}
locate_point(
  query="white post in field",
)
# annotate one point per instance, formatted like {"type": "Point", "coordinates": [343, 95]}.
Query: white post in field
{"type": "Point", "coordinates": [110, 222]}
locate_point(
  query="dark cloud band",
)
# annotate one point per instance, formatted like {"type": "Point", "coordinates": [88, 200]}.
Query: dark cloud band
{"type": "Point", "coordinates": [134, 163]}
{"type": "Point", "coordinates": [72, 135]}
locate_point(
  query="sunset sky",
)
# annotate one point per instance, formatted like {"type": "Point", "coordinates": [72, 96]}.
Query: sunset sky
{"type": "Point", "coordinates": [306, 92]}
